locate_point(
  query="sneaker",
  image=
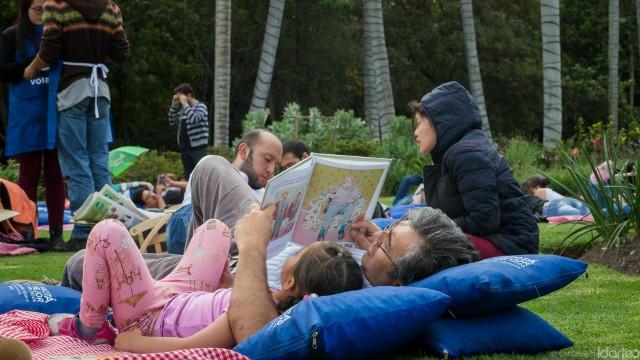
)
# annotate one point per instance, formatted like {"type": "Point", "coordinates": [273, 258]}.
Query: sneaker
{"type": "Point", "coordinates": [341, 232]}
{"type": "Point", "coordinates": [65, 324]}
{"type": "Point", "coordinates": [321, 234]}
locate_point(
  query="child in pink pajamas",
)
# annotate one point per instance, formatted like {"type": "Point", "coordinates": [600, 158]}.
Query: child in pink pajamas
{"type": "Point", "coordinates": [188, 307]}
{"type": "Point", "coordinates": [116, 276]}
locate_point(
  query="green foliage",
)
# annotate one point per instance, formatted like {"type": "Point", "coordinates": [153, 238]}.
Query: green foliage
{"type": "Point", "coordinates": [522, 155]}
{"type": "Point", "coordinates": [401, 147]}
{"type": "Point", "coordinates": [10, 171]}
{"type": "Point", "coordinates": [225, 152]}
{"type": "Point", "coordinates": [150, 165]}
{"type": "Point", "coordinates": [341, 133]}
{"type": "Point", "coordinates": [614, 204]}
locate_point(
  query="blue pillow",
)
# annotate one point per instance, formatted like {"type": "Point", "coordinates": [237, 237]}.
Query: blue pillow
{"type": "Point", "coordinates": [48, 299]}
{"type": "Point", "coordinates": [501, 282]}
{"type": "Point", "coordinates": [362, 323]}
{"type": "Point", "coordinates": [514, 330]}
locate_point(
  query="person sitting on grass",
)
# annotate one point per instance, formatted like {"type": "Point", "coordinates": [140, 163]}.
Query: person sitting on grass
{"type": "Point", "coordinates": [554, 204]}
{"type": "Point", "coordinates": [188, 308]}
{"type": "Point", "coordinates": [469, 180]}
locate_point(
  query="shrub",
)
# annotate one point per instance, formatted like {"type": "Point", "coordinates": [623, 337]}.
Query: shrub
{"type": "Point", "coordinates": [401, 147]}
{"type": "Point", "coordinates": [614, 204]}
{"type": "Point", "coordinates": [10, 171]}
{"type": "Point", "coordinates": [150, 165]}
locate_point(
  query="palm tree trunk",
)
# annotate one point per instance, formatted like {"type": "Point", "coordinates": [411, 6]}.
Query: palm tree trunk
{"type": "Point", "coordinates": [473, 64]}
{"type": "Point", "coordinates": [268, 55]}
{"type": "Point", "coordinates": [552, 72]}
{"type": "Point", "coordinates": [222, 76]}
{"type": "Point", "coordinates": [614, 47]}
{"type": "Point", "coordinates": [376, 65]}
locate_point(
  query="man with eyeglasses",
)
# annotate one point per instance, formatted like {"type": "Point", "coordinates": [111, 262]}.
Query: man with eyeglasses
{"type": "Point", "coordinates": [424, 242]}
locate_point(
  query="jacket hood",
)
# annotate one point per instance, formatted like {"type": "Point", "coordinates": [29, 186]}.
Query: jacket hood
{"type": "Point", "coordinates": [453, 113]}
{"type": "Point", "coordinates": [90, 9]}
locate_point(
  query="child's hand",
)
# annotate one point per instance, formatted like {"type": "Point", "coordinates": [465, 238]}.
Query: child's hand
{"type": "Point", "coordinates": [254, 229]}
{"type": "Point", "coordinates": [125, 341]}
{"type": "Point", "coordinates": [31, 71]}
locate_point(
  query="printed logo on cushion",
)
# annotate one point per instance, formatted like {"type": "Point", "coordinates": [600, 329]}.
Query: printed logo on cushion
{"type": "Point", "coordinates": [518, 262]}
{"type": "Point", "coordinates": [280, 320]}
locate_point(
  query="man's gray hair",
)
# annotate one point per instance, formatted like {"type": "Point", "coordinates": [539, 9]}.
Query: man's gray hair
{"type": "Point", "coordinates": [443, 246]}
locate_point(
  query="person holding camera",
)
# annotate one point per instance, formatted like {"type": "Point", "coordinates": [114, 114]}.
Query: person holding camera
{"type": "Point", "coordinates": [191, 117]}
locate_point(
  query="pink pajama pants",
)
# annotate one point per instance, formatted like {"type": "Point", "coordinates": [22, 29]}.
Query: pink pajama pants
{"type": "Point", "coordinates": [116, 276]}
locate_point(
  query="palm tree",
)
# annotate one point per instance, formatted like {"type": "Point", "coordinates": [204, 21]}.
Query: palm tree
{"type": "Point", "coordinates": [222, 72]}
{"type": "Point", "coordinates": [473, 65]}
{"type": "Point", "coordinates": [614, 47]}
{"type": "Point", "coordinates": [268, 55]}
{"type": "Point", "coordinates": [379, 105]}
{"type": "Point", "coordinates": [552, 75]}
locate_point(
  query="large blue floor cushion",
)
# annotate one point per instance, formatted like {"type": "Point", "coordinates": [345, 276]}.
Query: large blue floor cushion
{"type": "Point", "coordinates": [514, 330]}
{"type": "Point", "coordinates": [355, 324]}
{"type": "Point", "coordinates": [502, 282]}
{"type": "Point", "coordinates": [48, 299]}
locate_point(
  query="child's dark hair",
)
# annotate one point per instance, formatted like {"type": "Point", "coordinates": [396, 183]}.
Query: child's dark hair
{"type": "Point", "coordinates": [325, 270]}
{"type": "Point", "coordinates": [536, 181]}
{"type": "Point", "coordinates": [137, 196]}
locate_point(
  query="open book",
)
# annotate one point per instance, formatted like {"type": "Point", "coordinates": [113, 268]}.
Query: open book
{"type": "Point", "coordinates": [318, 198]}
{"type": "Point", "coordinates": [110, 204]}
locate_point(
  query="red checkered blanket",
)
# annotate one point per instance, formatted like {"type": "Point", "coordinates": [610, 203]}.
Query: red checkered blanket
{"type": "Point", "coordinates": [31, 328]}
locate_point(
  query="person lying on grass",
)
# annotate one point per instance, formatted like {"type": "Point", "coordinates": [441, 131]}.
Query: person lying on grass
{"type": "Point", "coordinates": [194, 307]}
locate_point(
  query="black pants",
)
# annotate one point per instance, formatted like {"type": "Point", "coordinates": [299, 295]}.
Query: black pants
{"type": "Point", "coordinates": [190, 158]}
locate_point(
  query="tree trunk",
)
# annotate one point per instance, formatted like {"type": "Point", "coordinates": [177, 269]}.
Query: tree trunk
{"type": "Point", "coordinates": [268, 55]}
{"type": "Point", "coordinates": [222, 76]}
{"type": "Point", "coordinates": [614, 46]}
{"type": "Point", "coordinates": [376, 65]}
{"type": "Point", "coordinates": [552, 72]}
{"type": "Point", "coordinates": [473, 64]}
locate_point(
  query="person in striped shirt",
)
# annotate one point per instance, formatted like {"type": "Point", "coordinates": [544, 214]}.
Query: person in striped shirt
{"type": "Point", "coordinates": [191, 117]}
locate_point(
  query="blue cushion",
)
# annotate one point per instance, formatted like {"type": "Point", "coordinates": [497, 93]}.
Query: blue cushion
{"type": "Point", "coordinates": [502, 282]}
{"type": "Point", "coordinates": [363, 323]}
{"type": "Point", "coordinates": [514, 330]}
{"type": "Point", "coordinates": [48, 299]}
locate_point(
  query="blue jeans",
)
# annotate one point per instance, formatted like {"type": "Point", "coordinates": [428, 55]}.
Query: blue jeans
{"type": "Point", "coordinates": [178, 228]}
{"type": "Point", "coordinates": [83, 149]}
{"type": "Point", "coordinates": [402, 196]}
{"type": "Point", "coordinates": [563, 207]}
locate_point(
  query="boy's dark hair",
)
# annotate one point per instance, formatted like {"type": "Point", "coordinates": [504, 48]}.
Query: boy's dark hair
{"type": "Point", "coordinates": [184, 88]}
{"type": "Point", "coordinates": [535, 181]}
{"type": "Point", "coordinates": [137, 196]}
{"type": "Point", "coordinates": [327, 269]}
{"type": "Point", "coordinates": [296, 147]}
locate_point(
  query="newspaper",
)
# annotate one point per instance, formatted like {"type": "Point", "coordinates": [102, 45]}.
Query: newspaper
{"type": "Point", "coordinates": [109, 204]}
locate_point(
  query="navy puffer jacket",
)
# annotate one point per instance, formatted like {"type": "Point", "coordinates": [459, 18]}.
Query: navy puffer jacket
{"type": "Point", "coordinates": [469, 180]}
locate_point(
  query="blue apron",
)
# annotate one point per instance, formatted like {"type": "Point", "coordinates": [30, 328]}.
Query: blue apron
{"type": "Point", "coordinates": [28, 126]}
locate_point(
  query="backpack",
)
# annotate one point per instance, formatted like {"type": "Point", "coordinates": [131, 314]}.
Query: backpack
{"type": "Point", "coordinates": [12, 197]}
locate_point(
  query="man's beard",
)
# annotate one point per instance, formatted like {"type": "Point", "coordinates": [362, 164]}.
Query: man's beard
{"type": "Point", "coordinates": [247, 168]}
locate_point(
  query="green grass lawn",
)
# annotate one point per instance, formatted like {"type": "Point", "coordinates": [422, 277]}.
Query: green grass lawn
{"type": "Point", "coordinates": [598, 311]}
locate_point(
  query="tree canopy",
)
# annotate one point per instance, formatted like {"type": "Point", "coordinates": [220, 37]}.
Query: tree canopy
{"type": "Point", "coordinates": [319, 59]}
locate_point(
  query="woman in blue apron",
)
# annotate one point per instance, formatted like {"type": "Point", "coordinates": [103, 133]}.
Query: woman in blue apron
{"type": "Point", "coordinates": [30, 137]}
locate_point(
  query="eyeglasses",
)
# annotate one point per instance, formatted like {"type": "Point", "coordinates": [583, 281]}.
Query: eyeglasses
{"type": "Point", "coordinates": [37, 9]}
{"type": "Point", "coordinates": [379, 241]}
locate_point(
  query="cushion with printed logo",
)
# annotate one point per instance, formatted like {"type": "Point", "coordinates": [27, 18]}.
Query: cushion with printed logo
{"type": "Point", "coordinates": [355, 324]}
{"type": "Point", "coordinates": [48, 299]}
{"type": "Point", "coordinates": [513, 330]}
{"type": "Point", "coordinates": [501, 282]}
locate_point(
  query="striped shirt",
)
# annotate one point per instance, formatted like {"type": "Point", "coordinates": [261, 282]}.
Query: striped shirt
{"type": "Point", "coordinates": [195, 118]}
